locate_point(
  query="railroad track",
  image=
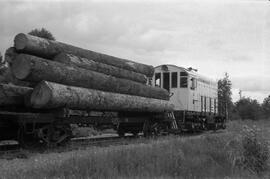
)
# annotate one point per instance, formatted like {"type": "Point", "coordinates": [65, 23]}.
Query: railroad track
{"type": "Point", "coordinates": [15, 151]}
{"type": "Point", "coordinates": [105, 141]}
{"type": "Point", "coordinates": [8, 150]}
{"type": "Point", "coordinates": [6, 146]}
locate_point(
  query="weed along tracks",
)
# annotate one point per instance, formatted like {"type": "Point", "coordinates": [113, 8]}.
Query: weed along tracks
{"type": "Point", "coordinates": [13, 150]}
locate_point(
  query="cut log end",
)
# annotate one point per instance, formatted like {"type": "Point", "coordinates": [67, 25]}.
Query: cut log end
{"type": "Point", "coordinates": [20, 41]}
{"type": "Point", "coordinates": [41, 95]}
{"type": "Point", "coordinates": [10, 55]}
{"type": "Point", "coordinates": [12, 95]}
{"type": "Point", "coordinates": [21, 67]}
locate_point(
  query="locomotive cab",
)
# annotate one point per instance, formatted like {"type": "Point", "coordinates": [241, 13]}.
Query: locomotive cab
{"type": "Point", "coordinates": [194, 97]}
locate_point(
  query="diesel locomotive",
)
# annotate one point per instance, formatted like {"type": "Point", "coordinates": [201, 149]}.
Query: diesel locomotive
{"type": "Point", "coordinates": [195, 98]}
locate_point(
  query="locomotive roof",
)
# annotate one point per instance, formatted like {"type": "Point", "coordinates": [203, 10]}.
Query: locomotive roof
{"type": "Point", "coordinates": [191, 72]}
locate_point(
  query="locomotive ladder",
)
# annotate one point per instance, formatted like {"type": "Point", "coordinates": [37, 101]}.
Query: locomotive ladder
{"type": "Point", "coordinates": [174, 123]}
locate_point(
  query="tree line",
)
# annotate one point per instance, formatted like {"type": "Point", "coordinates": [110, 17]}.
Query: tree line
{"type": "Point", "coordinates": [244, 108]}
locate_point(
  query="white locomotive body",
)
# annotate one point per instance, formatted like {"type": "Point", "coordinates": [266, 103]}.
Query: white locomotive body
{"type": "Point", "coordinates": [195, 97]}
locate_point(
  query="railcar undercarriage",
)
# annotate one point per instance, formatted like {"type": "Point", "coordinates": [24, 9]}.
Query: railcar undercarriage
{"type": "Point", "coordinates": [199, 121]}
{"type": "Point", "coordinates": [54, 128]}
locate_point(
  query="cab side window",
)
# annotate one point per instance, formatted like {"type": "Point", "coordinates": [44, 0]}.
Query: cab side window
{"type": "Point", "coordinates": [174, 80]}
{"type": "Point", "coordinates": [202, 109]}
{"type": "Point", "coordinates": [183, 80]}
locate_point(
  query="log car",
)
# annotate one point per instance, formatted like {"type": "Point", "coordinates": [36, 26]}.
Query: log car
{"type": "Point", "coordinates": [195, 98]}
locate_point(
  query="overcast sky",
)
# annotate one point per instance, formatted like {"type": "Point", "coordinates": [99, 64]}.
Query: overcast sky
{"type": "Point", "coordinates": [212, 36]}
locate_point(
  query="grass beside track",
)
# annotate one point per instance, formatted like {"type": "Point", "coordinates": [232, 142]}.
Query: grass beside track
{"type": "Point", "coordinates": [212, 155]}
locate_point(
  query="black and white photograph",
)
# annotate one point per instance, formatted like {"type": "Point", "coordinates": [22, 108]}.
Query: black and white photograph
{"type": "Point", "coordinates": [135, 89]}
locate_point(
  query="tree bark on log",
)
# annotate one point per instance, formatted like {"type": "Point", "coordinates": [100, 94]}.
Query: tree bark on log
{"type": "Point", "coordinates": [32, 68]}
{"type": "Point", "coordinates": [53, 95]}
{"type": "Point", "coordinates": [70, 59]}
{"type": "Point", "coordinates": [11, 95]}
{"type": "Point", "coordinates": [49, 49]}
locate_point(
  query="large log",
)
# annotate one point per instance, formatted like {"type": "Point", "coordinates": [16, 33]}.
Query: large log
{"type": "Point", "coordinates": [6, 76]}
{"type": "Point", "coordinates": [32, 68]}
{"type": "Point", "coordinates": [11, 95]}
{"type": "Point", "coordinates": [70, 59]}
{"type": "Point", "coordinates": [10, 55]}
{"type": "Point", "coordinates": [49, 49]}
{"type": "Point", "coordinates": [53, 95]}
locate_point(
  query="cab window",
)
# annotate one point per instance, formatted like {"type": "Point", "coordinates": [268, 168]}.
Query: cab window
{"type": "Point", "coordinates": [174, 80]}
{"type": "Point", "coordinates": [193, 83]}
{"type": "Point", "coordinates": [158, 79]}
{"type": "Point", "coordinates": [183, 80]}
{"type": "Point", "coordinates": [166, 81]}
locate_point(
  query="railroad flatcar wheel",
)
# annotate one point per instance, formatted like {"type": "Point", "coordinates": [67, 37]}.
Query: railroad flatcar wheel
{"type": "Point", "coordinates": [135, 133]}
{"type": "Point", "coordinates": [121, 133]}
{"type": "Point", "coordinates": [223, 125]}
{"type": "Point", "coordinates": [27, 140]}
{"type": "Point", "coordinates": [55, 134]}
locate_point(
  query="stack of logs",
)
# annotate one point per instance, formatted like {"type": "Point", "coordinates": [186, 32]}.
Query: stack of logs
{"type": "Point", "coordinates": [50, 74]}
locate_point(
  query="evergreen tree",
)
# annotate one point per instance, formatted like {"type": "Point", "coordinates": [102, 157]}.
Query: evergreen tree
{"type": "Point", "coordinates": [225, 95]}
{"type": "Point", "coordinates": [43, 33]}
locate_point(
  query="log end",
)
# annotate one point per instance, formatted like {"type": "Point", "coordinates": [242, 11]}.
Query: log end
{"type": "Point", "coordinates": [12, 95]}
{"type": "Point", "coordinates": [21, 67]}
{"type": "Point", "coordinates": [20, 41]}
{"type": "Point", "coordinates": [10, 55]}
{"type": "Point", "coordinates": [41, 95]}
